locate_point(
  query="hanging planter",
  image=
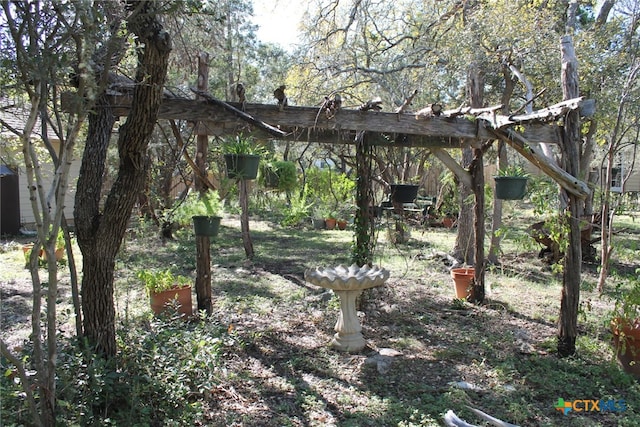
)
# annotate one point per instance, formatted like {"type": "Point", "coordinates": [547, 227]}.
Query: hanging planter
{"type": "Point", "coordinates": [242, 166]}
{"type": "Point", "coordinates": [206, 225]}
{"type": "Point", "coordinates": [242, 156]}
{"type": "Point", "coordinates": [404, 193]}
{"type": "Point", "coordinates": [271, 179]}
{"type": "Point", "coordinates": [463, 282]}
{"type": "Point", "coordinates": [511, 183]}
{"type": "Point", "coordinates": [510, 187]}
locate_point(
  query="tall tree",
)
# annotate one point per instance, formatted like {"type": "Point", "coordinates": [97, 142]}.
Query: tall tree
{"type": "Point", "coordinates": [100, 230]}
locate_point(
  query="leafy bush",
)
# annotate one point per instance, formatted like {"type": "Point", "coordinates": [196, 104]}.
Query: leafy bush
{"type": "Point", "coordinates": [286, 173]}
{"type": "Point", "coordinates": [158, 370]}
{"type": "Point", "coordinates": [330, 188]}
{"type": "Point", "coordinates": [298, 211]}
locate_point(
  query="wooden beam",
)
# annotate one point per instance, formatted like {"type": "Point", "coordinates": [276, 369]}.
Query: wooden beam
{"type": "Point", "coordinates": [461, 173]}
{"type": "Point", "coordinates": [217, 119]}
{"type": "Point", "coordinates": [570, 183]}
{"type": "Point", "coordinates": [333, 136]}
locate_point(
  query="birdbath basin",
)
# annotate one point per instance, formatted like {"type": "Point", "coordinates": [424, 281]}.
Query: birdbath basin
{"type": "Point", "coordinates": [348, 283]}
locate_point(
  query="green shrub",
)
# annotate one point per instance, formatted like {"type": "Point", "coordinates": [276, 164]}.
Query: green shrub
{"type": "Point", "coordinates": [330, 189]}
{"type": "Point", "coordinates": [286, 173]}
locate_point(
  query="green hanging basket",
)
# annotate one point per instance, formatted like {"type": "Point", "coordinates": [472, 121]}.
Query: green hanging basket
{"type": "Point", "coordinates": [242, 166]}
{"type": "Point", "coordinates": [404, 193]}
{"type": "Point", "coordinates": [206, 225]}
{"type": "Point", "coordinates": [510, 187]}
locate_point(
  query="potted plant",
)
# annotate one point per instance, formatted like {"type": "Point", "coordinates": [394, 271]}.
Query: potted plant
{"type": "Point", "coordinates": [330, 221]}
{"type": "Point", "coordinates": [345, 211]}
{"type": "Point", "coordinates": [204, 210]}
{"type": "Point", "coordinates": [59, 252]}
{"type": "Point", "coordinates": [60, 245]}
{"type": "Point", "coordinates": [167, 290]}
{"type": "Point", "coordinates": [242, 157]}
{"type": "Point", "coordinates": [511, 183]}
{"type": "Point", "coordinates": [625, 326]}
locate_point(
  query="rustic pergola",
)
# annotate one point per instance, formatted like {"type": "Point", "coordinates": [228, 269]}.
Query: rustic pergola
{"type": "Point", "coordinates": [430, 127]}
{"type": "Point", "coordinates": [437, 131]}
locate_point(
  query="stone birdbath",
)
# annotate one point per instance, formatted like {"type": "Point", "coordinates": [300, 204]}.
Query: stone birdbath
{"type": "Point", "coordinates": [348, 283]}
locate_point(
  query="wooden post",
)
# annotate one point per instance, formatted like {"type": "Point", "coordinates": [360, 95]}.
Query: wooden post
{"type": "Point", "coordinates": [203, 244]}
{"type": "Point", "coordinates": [244, 217]}
{"type": "Point", "coordinates": [568, 325]}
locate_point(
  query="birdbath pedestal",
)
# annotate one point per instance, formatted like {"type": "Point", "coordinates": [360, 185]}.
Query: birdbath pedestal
{"type": "Point", "coordinates": [348, 283]}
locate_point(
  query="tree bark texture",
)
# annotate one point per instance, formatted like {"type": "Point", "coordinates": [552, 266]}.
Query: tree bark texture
{"type": "Point", "coordinates": [465, 238]}
{"type": "Point", "coordinates": [496, 216]}
{"type": "Point", "coordinates": [100, 233]}
{"type": "Point", "coordinates": [568, 327]}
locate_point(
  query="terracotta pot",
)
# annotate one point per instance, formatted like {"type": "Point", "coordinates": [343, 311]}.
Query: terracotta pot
{"type": "Point", "coordinates": [29, 246]}
{"type": "Point", "coordinates": [330, 223]}
{"type": "Point", "coordinates": [342, 225]}
{"type": "Point", "coordinates": [448, 222]}
{"type": "Point", "coordinates": [59, 254]}
{"type": "Point", "coordinates": [626, 341]}
{"type": "Point", "coordinates": [462, 282]}
{"type": "Point", "coordinates": [160, 301]}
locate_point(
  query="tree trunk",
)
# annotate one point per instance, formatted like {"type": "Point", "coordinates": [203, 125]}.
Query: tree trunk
{"type": "Point", "coordinates": [100, 233]}
{"type": "Point", "coordinates": [97, 290]}
{"type": "Point", "coordinates": [465, 238]}
{"type": "Point", "coordinates": [568, 327]}
{"type": "Point", "coordinates": [203, 244]}
{"type": "Point", "coordinates": [496, 216]}
{"type": "Point", "coordinates": [477, 173]}
{"type": "Point", "coordinates": [475, 83]}
{"type": "Point", "coordinates": [510, 79]}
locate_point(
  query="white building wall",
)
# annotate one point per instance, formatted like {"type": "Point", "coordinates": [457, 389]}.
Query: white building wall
{"type": "Point", "coordinates": [26, 212]}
